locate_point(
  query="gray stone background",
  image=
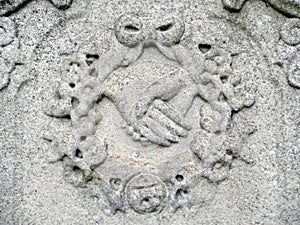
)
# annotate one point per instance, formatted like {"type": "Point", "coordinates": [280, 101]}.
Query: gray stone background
{"type": "Point", "coordinates": [262, 187]}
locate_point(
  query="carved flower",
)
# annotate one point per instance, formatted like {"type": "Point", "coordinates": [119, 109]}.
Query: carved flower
{"type": "Point", "coordinates": [90, 153]}
{"type": "Point", "coordinates": [218, 65]}
{"type": "Point", "coordinates": [73, 174]}
{"type": "Point", "coordinates": [84, 160]}
{"type": "Point", "coordinates": [215, 117]}
{"type": "Point", "coordinates": [215, 160]}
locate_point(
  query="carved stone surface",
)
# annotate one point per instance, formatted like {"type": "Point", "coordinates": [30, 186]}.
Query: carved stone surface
{"type": "Point", "coordinates": [10, 6]}
{"type": "Point", "coordinates": [8, 46]}
{"type": "Point", "coordinates": [172, 112]}
{"type": "Point", "coordinates": [288, 7]}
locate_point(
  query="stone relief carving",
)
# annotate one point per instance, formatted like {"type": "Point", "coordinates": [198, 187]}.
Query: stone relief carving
{"type": "Point", "coordinates": [290, 34]}
{"type": "Point", "coordinates": [289, 31]}
{"type": "Point", "coordinates": [8, 50]}
{"type": "Point", "coordinates": [294, 69]}
{"type": "Point", "coordinates": [9, 43]}
{"type": "Point", "coordinates": [9, 6]}
{"type": "Point", "coordinates": [287, 7]}
{"type": "Point", "coordinates": [152, 81]}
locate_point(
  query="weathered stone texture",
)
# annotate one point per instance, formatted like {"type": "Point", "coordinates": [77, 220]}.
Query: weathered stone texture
{"type": "Point", "coordinates": [150, 112]}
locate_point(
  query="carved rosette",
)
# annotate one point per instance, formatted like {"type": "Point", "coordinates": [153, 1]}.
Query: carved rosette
{"type": "Point", "coordinates": [152, 81]}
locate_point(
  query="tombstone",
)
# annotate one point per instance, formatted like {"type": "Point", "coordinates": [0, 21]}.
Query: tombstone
{"type": "Point", "coordinates": [150, 112]}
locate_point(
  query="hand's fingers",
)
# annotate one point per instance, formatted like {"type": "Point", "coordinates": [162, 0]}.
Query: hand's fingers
{"type": "Point", "coordinates": [136, 136]}
{"type": "Point", "coordinates": [170, 112]}
{"type": "Point", "coordinates": [168, 123]}
{"type": "Point", "coordinates": [142, 106]}
{"type": "Point", "coordinates": [153, 137]}
{"type": "Point", "coordinates": [130, 130]}
{"type": "Point", "coordinates": [161, 130]}
{"type": "Point", "coordinates": [145, 141]}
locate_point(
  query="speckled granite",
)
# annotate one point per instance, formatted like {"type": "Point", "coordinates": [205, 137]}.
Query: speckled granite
{"type": "Point", "coordinates": [149, 112]}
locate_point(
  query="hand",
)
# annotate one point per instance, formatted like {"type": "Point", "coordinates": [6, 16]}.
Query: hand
{"type": "Point", "coordinates": [160, 125]}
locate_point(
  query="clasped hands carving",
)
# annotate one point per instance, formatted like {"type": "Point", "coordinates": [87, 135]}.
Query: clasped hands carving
{"type": "Point", "coordinates": [153, 105]}
{"type": "Point", "coordinates": [152, 80]}
{"type": "Point", "coordinates": [157, 116]}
